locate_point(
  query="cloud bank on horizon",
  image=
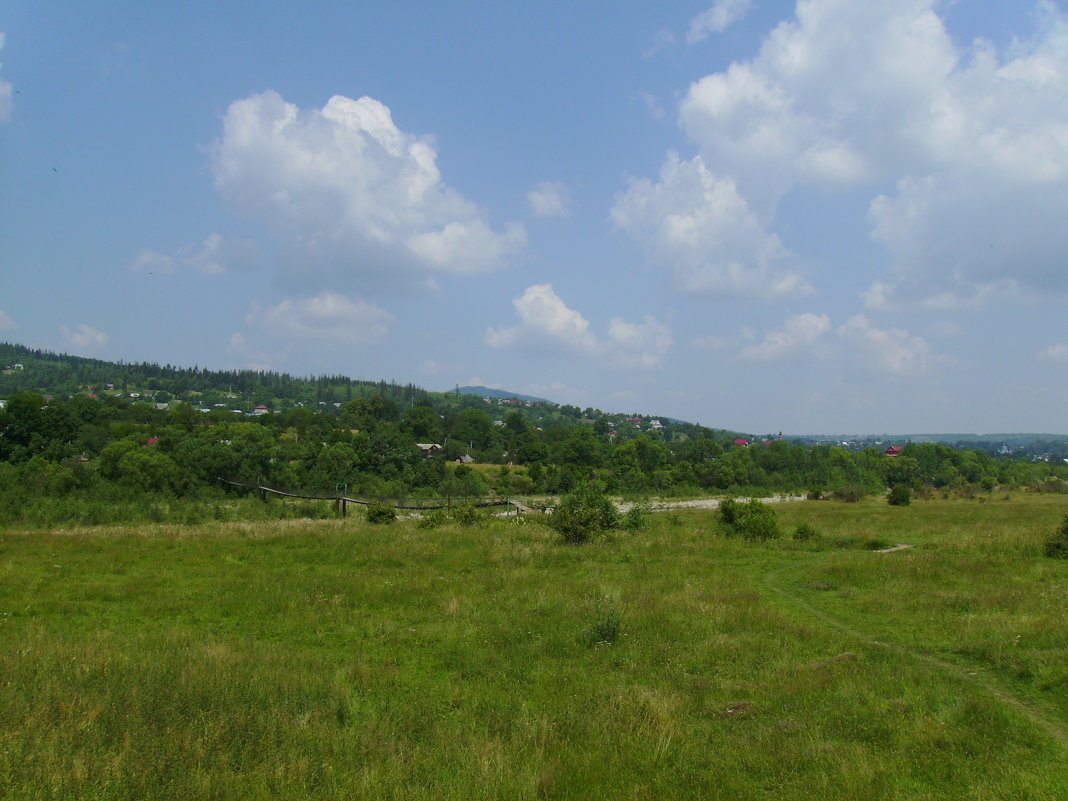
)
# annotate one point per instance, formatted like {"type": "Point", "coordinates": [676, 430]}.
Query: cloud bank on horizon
{"type": "Point", "coordinates": [778, 216]}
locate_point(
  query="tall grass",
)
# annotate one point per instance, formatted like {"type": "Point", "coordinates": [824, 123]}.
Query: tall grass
{"type": "Point", "coordinates": [335, 659]}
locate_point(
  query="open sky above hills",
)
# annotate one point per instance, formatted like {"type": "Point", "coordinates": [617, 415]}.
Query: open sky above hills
{"type": "Point", "coordinates": [754, 214]}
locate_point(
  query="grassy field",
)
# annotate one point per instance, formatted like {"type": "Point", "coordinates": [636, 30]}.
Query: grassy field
{"type": "Point", "coordinates": [338, 660]}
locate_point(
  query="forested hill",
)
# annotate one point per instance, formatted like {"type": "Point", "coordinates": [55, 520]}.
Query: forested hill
{"type": "Point", "coordinates": [489, 392]}
{"type": "Point", "coordinates": [84, 440]}
{"type": "Point", "coordinates": [64, 376]}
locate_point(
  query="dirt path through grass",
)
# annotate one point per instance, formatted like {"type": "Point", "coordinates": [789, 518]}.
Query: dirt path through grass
{"type": "Point", "coordinates": [979, 678]}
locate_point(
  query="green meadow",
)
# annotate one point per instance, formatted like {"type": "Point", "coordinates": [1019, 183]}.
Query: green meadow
{"type": "Point", "coordinates": [329, 659]}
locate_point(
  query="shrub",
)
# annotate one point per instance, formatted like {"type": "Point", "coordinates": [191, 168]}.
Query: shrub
{"type": "Point", "coordinates": [380, 513]}
{"type": "Point", "coordinates": [805, 532]}
{"type": "Point", "coordinates": [728, 511]}
{"type": "Point", "coordinates": [433, 518]}
{"type": "Point", "coordinates": [851, 493]}
{"type": "Point", "coordinates": [752, 520]}
{"type": "Point", "coordinates": [583, 512]}
{"type": "Point", "coordinates": [900, 495]}
{"type": "Point", "coordinates": [635, 518]}
{"type": "Point", "coordinates": [463, 514]}
{"type": "Point", "coordinates": [467, 515]}
{"type": "Point", "coordinates": [1057, 545]}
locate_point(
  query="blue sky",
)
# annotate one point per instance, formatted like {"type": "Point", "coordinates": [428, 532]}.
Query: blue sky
{"type": "Point", "coordinates": [823, 216]}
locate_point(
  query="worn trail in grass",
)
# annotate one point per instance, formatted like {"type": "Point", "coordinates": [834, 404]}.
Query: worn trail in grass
{"type": "Point", "coordinates": [1055, 729]}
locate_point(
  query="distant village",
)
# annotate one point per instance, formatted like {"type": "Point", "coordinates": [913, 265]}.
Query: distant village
{"type": "Point", "coordinates": [613, 426]}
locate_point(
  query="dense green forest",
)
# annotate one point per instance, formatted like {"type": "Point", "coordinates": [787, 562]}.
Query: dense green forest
{"type": "Point", "coordinates": [85, 452]}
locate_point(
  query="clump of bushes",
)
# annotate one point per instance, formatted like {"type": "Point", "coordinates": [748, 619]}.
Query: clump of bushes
{"type": "Point", "coordinates": [635, 518]}
{"type": "Point", "coordinates": [1051, 484]}
{"type": "Point", "coordinates": [751, 520]}
{"type": "Point", "coordinates": [805, 532]}
{"type": "Point", "coordinates": [461, 514]}
{"type": "Point", "coordinates": [900, 495]}
{"type": "Point", "coordinates": [380, 513]}
{"type": "Point", "coordinates": [584, 512]}
{"type": "Point", "coordinates": [1057, 545]}
{"type": "Point", "coordinates": [851, 493]}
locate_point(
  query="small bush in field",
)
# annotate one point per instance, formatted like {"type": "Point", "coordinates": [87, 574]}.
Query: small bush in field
{"type": "Point", "coordinates": [850, 494]}
{"type": "Point", "coordinates": [380, 513]}
{"type": "Point", "coordinates": [1057, 545]}
{"type": "Point", "coordinates": [463, 514]}
{"type": "Point", "coordinates": [433, 518]}
{"type": "Point", "coordinates": [900, 495]}
{"type": "Point", "coordinates": [583, 512]}
{"type": "Point", "coordinates": [728, 511]}
{"type": "Point", "coordinates": [805, 532]}
{"type": "Point", "coordinates": [752, 520]}
{"type": "Point", "coordinates": [635, 518]}
{"type": "Point", "coordinates": [467, 515]}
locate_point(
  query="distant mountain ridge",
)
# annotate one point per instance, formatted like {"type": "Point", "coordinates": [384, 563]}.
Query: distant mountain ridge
{"type": "Point", "coordinates": [487, 392]}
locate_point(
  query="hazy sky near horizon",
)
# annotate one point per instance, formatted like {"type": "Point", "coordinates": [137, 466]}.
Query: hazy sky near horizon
{"type": "Point", "coordinates": [821, 216]}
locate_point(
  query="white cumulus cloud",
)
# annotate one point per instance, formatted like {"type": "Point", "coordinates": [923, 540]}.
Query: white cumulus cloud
{"type": "Point", "coordinates": [858, 344]}
{"type": "Point", "coordinates": [83, 338]}
{"type": "Point", "coordinates": [543, 315]}
{"type": "Point", "coordinates": [892, 351]}
{"type": "Point", "coordinates": [328, 318]}
{"type": "Point", "coordinates": [699, 226]}
{"type": "Point", "coordinates": [717, 19]}
{"type": "Point", "coordinates": [641, 344]}
{"type": "Point", "coordinates": [972, 141]}
{"type": "Point", "coordinates": [546, 322]}
{"type": "Point", "coordinates": [6, 323]}
{"type": "Point", "coordinates": [550, 199]}
{"type": "Point", "coordinates": [350, 193]}
{"type": "Point", "coordinates": [799, 333]}
{"type": "Point", "coordinates": [1055, 353]}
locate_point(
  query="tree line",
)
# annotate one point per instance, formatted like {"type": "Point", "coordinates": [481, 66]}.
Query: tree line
{"type": "Point", "coordinates": [108, 450]}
